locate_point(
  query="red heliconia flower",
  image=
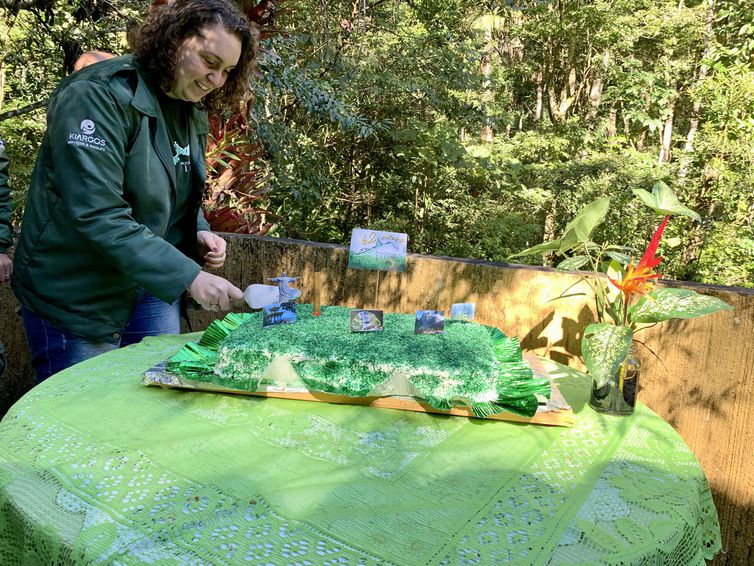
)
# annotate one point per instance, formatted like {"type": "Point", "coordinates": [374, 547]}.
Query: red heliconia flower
{"type": "Point", "coordinates": [639, 279]}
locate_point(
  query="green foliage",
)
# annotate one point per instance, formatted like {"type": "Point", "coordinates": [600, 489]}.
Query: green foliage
{"type": "Point", "coordinates": [39, 42]}
{"type": "Point", "coordinates": [728, 257]}
{"type": "Point", "coordinates": [371, 117]}
{"type": "Point", "coordinates": [22, 137]}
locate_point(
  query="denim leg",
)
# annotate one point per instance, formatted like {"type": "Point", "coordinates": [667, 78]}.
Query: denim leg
{"type": "Point", "coordinates": [53, 349]}
{"type": "Point", "coordinates": [152, 317]}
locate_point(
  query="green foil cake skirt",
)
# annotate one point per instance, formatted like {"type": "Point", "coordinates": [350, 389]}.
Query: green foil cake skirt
{"type": "Point", "coordinates": [470, 364]}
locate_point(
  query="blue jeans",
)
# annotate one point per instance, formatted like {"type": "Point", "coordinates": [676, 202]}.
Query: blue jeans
{"type": "Point", "coordinates": [54, 349]}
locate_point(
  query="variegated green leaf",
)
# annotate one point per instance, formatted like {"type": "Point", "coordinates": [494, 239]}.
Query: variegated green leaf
{"type": "Point", "coordinates": [662, 200]}
{"type": "Point", "coordinates": [573, 263]}
{"type": "Point", "coordinates": [622, 259]}
{"type": "Point", "coordinates": [664, 304]}
{"type": "Point", "coordinates": [604, 347]}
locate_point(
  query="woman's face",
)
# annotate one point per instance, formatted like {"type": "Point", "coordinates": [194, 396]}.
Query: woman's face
{"type": "Point", "coordinates": [203, 62]}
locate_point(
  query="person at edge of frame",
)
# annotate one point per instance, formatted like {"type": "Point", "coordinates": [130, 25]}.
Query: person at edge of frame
{"type": "Point", "coordinates": [90, 57]}
{"type": "Point", "coordinates": [113, 232]}
{"type": "Point", "coordinates": [6, 232]}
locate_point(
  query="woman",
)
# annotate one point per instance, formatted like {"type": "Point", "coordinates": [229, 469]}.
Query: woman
{"type": "Point", "coordinates": [113, 232]}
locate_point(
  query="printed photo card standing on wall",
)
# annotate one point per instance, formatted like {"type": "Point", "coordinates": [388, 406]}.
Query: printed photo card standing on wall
{"type": "Point", "coordinates": [372, 249]}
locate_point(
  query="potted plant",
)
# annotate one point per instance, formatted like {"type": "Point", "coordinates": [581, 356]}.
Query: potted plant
{"type": "Point", "coordinates": [625, 294]}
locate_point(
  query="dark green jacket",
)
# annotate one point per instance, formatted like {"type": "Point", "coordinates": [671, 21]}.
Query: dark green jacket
{"type": "Point", "coordinates": [6, 233]}
{"type": "Point", "coordinates": [100, 202]}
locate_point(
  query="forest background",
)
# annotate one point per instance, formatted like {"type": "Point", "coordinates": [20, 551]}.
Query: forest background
{"type": "Point", "coordinates": [477, 127]}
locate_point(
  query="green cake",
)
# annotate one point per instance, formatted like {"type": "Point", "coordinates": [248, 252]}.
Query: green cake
{"type": "Point", "coordinates": [469, 364]}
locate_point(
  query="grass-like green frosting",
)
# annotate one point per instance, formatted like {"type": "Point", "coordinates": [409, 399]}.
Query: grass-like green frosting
{"type": "Point", "coordinates": [469, 363]}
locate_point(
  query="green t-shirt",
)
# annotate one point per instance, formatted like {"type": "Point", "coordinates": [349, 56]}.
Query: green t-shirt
{"type": "Point", "coordinates": [176, 113]}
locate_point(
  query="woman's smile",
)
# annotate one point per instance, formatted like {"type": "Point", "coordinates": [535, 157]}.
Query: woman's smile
{"type": "Point", "coordinates": [203, 63]}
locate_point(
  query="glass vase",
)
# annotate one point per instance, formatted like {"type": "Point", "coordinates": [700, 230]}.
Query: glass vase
{"type": "Point", "coordinates": [618, 395]}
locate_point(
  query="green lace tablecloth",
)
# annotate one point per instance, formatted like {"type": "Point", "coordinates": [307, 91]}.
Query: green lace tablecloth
{"type": "Point", "coordinates": [95, 468]}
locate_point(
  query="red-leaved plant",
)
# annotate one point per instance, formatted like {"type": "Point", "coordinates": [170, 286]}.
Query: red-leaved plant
{"type": "Point", "coordinates": [237, 181]}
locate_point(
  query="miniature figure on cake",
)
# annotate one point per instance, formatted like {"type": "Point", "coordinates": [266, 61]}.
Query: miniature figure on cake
{"type": "Point", "coordinates": [259, 296]}
{"type": "Point", "coordinates": [286, 293]}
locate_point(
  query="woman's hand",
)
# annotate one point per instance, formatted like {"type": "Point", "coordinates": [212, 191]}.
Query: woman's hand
{"type": "Point", "coordinates": [214, 293]}
{"type": "Point", "coordinates": [211, 248]}
{"type": "Point", "coordinates": [6, 268]}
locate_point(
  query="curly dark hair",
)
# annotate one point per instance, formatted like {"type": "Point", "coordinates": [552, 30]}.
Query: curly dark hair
{"type": "Point", "coordinates": [155, 44]}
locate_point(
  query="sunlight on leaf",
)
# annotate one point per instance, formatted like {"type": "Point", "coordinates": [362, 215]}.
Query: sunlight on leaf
{"type": "Point", "coordinates": [553, 246]}
{"type": "Point", "coordinates": [662, 200]}
{"type": "Point", "coordinates": [587, 220]}
{"type": "Point", "coordinates": [573, 263]}
{"type": "Point", "coordinates": [604, 347]}
{"type": "Point", "coordinates": [615, 272]}
{"type": "Point", "coordinates": [664, 304]}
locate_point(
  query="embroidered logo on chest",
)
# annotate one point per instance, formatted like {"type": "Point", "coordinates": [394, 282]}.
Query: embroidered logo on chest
{"type": "Point", "coordinates": [181, 157]}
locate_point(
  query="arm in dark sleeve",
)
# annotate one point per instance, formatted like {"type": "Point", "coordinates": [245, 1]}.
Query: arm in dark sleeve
{"type": "Point", "coordinates": [90, 178]}
{"type": "Point", "coordinates": [6, 231]}
{"type": "Point", "coordinates": [201, 222]}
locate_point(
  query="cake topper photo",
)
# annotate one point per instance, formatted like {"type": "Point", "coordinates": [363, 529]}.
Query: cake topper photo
{"type": "Point", "coordinates": [429, 322]}
{"type": "Point", "coordinates": [462, 311]}
{"type": "Point", "coordinates": [372, 249]}
{"type": "Point", "coordinates": [258, 296]}
{"type": "Point", "coordinates": [366, 321]}
{"type": "Point", "coordinates": [283, 313]}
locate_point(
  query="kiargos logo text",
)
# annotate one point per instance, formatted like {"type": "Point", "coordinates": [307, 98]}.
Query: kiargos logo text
{"type": "Point", "coordinates": [85, 138]}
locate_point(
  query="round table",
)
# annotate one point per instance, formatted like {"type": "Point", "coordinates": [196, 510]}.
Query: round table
{"type": "Point", "coordinates": [97, 468]}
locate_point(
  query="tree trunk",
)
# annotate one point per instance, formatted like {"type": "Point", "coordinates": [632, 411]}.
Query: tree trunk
{"type": "Point", "coordinates": [688, 148]}
{"type": "Point", "coordinates": [612, 123]}
{"type": "Point", "coordinates": [540, 95]}
{"type": "Point", "coordinates": [562, 102]}
{"type": "Point", "coordinates": [666, 136]}
{"type": "Point", "coordinates": [2, 84]}
{"type": "Point", "coordinates": [555, 105]}
{"type": "Point", "coordinates": [595, 92]}
{"type": "Point", "coordinates": [549, 232]}
{"type": "Point", "coordinates": [487, 97]}
{"type": "Point", "coordinates": [693, 247]}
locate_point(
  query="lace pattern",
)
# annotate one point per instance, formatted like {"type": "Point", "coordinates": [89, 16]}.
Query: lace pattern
{"type": "Point", "coordinates": [95, 468]}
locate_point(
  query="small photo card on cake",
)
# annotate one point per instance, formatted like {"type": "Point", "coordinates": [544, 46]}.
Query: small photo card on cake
{"type": "Point", "coordinates": [279, 313]}
{"type": "Point", "coordinates": [372, 249]}
{"type": "Point", "coordinates": [366, 321]}
{"type": "Point", "coordinates": [429, 322]}
{"type": "Point", "coordinates": [462, 311]}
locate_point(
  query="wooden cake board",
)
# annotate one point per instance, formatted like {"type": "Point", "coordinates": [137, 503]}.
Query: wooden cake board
{"type": "Point", "coordinates": [556, 412]}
